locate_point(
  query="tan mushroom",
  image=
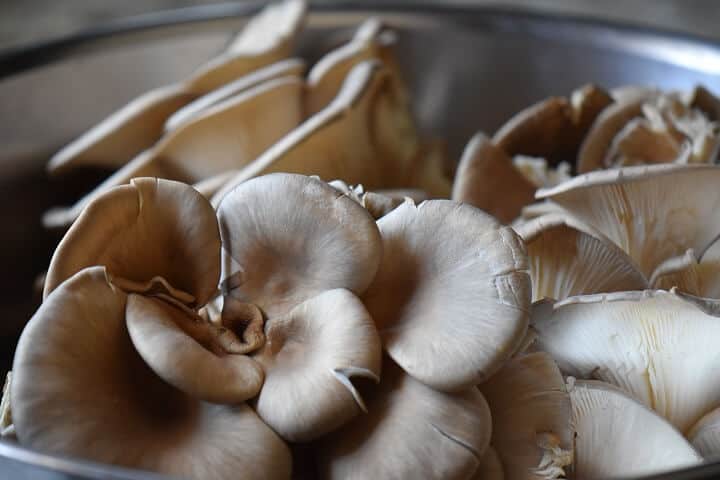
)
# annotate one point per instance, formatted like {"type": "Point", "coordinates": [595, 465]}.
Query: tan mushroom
{"type": "Point", "coordinates": [699, 277]}
{"type": "Point", "coordinates": [617, 437]}
{"type": "Point", "coordinates": [97, 393]}
{"type": "Point", "coordinates": [266, 39]}
{"type": "Point", "coordinates": [568, 258]}
{"type": "Point", "coordinates": [490, 467]}
{"type": "Point", "coordinates": [451, 297]}
{"type": "Point", "coordinates": [530, 410]}
{"type": "Point", "coordinates": [651, 212]}
{"type": "Point", "coordinates": [410, 431]}
{"type": "Point", "coordinates": [656, 345]}
{"type": "Point", "coordinates": [705, 435]}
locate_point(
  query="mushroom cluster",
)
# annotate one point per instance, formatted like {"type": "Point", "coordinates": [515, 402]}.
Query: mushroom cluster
{"type": "Point", "coordinates": [279, 280]}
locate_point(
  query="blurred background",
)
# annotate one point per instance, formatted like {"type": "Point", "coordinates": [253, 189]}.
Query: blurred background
{"type": "Point", "coordinates": [25, 21]}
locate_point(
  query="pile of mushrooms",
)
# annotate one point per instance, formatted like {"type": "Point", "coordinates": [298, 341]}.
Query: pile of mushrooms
{"type": "Point", "coordinates": [280, 280]}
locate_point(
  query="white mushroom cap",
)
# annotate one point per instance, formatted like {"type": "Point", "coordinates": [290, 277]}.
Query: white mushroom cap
{"type": "Point", "coordinates": [80, 389]}
{"type": "Point", "coordinates": [687, 273]}
{"type": "Point", "coordinates": [530, 408]}
{"type": "Point", "coordinates": [410, 431]}
{"type": "Point", "coordinates": [311, 355]}
{"type": "Point", "coordinates": [615, 436]}
{"type": "Point", "coordinates": [705, 435]}
{"type": "Point", "coordinates": [451, 297]}
{"type": "Point", "coordinates": [651, 212]}
{"type": "Point", "coordinates": [568, 258]}
{"type": "Point", "coordinates": [150, 228]}
{"type": "Point", "coordinates": [286, 238]}
{"type": "Point", "coordinates": [656, 345]}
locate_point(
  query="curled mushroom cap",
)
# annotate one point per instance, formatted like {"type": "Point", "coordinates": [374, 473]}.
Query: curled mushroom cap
{"type": "Point", "coordinates": [568, 258]}
{"type": "Point", "coordinates": [410, 431]}
{"type": "Point", "coordinates": [451, 297]}
{"type": "Point", "coordinates": [700, 277]}
{"type": "Point", "coordinates": [530, 408]}
{"type": "Point", "coordinates": [286, 238]}
{"type": "Point", "coordinates": [651, 212]}
{"type": "Point", "coordinates": [97, 393]}
{"type": "Point", "coordinates": [705, 435]}
{"type": "Point", "coordinates": [150, 228]}
{"type": "Point", "coordinates": [615, 436]}
{"type": "Point", "coordinates": [311, 355]}
{"type": "Point", "coordinates": [656, 345]}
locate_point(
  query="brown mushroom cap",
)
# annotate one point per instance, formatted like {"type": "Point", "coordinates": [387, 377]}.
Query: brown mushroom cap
{"type": "Point", "coordinates": [96, 393]}
{"type": "Point", "coordinates": [451, 297]}
{"type": "Point", "coordinates": [286, 238]}
{"type": "Point", "coordinates": [410, 431]}
{"type": "Point", "coordinates": [147, 229]}
{"type": "Point", "coordinates": [311, 355]}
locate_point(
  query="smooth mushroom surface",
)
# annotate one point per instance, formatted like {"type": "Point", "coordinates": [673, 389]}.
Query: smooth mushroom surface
{"type": "Point", "coordinates": [7, 429]}
{"type": "Point", "coordinates": [530, 409]}
{"type": "Point", "coordinates": [616, 436]}
{"type": "Point", "coordinates": [700, 277]}
{"type": "Point", "coordinates": [410, 431]}
{"type": "Point", "coordinates": [451, 296]}
{"type": "Point", "coordinates": [651, 212]}
{"type": "Point", "coordinates": [97, 393]}
{"type": "Point", "coordinates": [705, 435]}
{"type": "Point", "coordinates": [658, 346]}
{"type": "Point", "coordinates": [568, 258]}
{"type": "Point", "coordinates": [490, 467]}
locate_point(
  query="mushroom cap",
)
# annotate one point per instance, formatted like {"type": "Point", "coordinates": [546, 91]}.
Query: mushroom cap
{"type": "Point", "coordinates": [651, 212]}
{"type": "Point", "coordinates": [656, 345]}
{"type": "Point", "coordinates": [638, 143]}
{"type": "Point", "coordinates": [286, 238]}
{"type": "Point", "coordinates": [504, 196]}
{"type": "Point", "coordinates": [690, 275]}
{"type": "Point", "coordinates": [530, 410]}
{"type": "Point", "coordinates": [155, 328]}
{"type": "Point", "coordinates": [568, 258]}
{"type": "Point", "coordinates": [539, 173]}
{"type": "Point", "coordinates": [97, 393]}
{"type": "Point", "coordinates": [705, 435]}
{"type": "Point", "coordinates": [615, 436]}
{"type": "Point", "coordinates": [490, 467]}
{"type": "Point", "coordinates": [451, 297]}
{"type": "Point", "coordinates": [311, 354]}
{"type": "Point", "coordinates": [149, 228]}
{"type": "Point", "coordinates": [410, 431]}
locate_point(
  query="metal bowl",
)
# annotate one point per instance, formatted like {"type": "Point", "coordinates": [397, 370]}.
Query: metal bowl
{"type": "Point", "coordinates": [469, 69]}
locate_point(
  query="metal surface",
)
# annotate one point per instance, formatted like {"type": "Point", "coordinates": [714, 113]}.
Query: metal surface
{"type": "Point", "coordinates": [468, 68]}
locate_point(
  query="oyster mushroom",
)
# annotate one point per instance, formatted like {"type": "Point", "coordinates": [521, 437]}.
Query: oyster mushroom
{"type": "Point", "coordinates": [266, 39]}
{"type": "Point", "coordinates": [490, 467]}
{"type": "Point", "coordinates": [568, 258]}
{"type": "Point", "coordinates": [705, 435]}
{"type": "Point", "coordinates": [97, 393]}
{"type": "Point", "coordinates": [410, 431]}
{"type": "Point", "coordinates": [615, 436]}
{"type": "Point", "coordinates": [700, 277]}
{"type": "Point", "coordinates": [650, 212]}
{"type": "Point", "coordinates": [451, 296]}
{"type": "Point", "coordinates": [658, 346]}
{"type": "Point", "coordinates": [7, 429]}
{"type": "Point", "coordinates": [530, 410]}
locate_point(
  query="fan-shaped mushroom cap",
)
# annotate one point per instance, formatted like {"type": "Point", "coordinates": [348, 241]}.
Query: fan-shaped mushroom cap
{"type": "Point", "coordinates": [363, 136]}
{"type": "Point", "coordinates": [286, 238]}
{"type": "Point", "coordinates": [505, 195]}
{"type": "Point", "coordinates": [410, 431]}
{"type": "Point", "coordinates": [140, 231]}
{"type": "Point", "coordinates": [655, 345]}
{"type": "Point", "coordinates": [687, 273]}
{"type": "Point", "coordinates": [615, 436]}
{"type": "Point", "coordinates": [225, 136]}
{"type": "Point", "coordinates": [638, 143]}
{"type": "Point", "coordinates": [705, 435]}
{"type": "Point", "coordinates": [530, 408]}
{"type": "Point", "coordinates": [96, 393]}
{"type": "Point", "coordinates": [490, 467]}
{"type": "Point", "coordinates": [155, 328]}
{"type": "Point", "coordinates": [651, 212]}
{"type": "Point", "coordinates": [568, 258]}
{"type": "Point", "coordinates": [310, 356]}
{"type": "Point", "coordinates": [451, 297]}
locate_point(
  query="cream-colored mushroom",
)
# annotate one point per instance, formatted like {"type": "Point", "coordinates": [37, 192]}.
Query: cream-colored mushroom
{"type": "Point", "coordinates": [287, 238]}
{"type": "Point", "coordinates": [379, 203]}
{"type": "Point", "coordinates": [651, 212]}
{"type": "Point", "coordinates": [97, 393]}
{"type": "Point", "coordinates": [311, 356]}
{"type": "Point", "coordinates": [530, 410]}
{"type": "Point", "coordinates": [7, 429]}
{"type": "Point", "coordinates": [452, 294]}
{"type": "Point", "coordinates": [617, 437]}
{"type": "Point", "coordinates": [410, 431]}
{"type": "Point", "coordinates": [705, 435]}
{"type": "Point", "coordinates": [266, 39]}
{"type": "Point", "coordinates": [699, 277]}
{"type": "Point", "coordinates": [568, 258]}
{"type": "Point", "coordinates": [656, 345]}
{"type": "Point", "coordinates": [539, 174]}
